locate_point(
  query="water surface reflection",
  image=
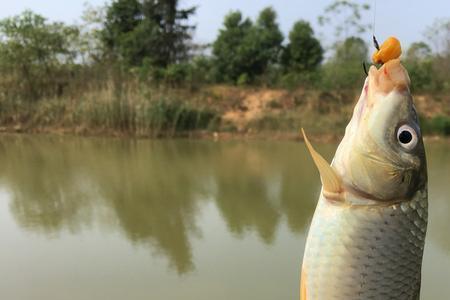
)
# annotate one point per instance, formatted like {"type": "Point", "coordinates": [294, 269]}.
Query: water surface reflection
{"type": "Point", "coordinates": [194, 202]}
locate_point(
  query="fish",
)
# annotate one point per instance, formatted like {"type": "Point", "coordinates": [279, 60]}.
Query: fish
{"type": "Point", "coordinates": [367, 235]}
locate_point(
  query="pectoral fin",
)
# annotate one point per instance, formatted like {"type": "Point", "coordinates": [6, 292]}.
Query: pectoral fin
{"type": "Point", "coordinates": [303, 285]}
{"type": "Point", "coordinates": [331, 181]}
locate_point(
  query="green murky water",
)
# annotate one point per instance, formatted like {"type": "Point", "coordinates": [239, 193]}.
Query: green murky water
{"type": "Point", "coordinates": [120, 219]}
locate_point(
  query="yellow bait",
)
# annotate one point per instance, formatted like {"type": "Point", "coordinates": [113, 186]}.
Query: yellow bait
{"type": "Point", "coordinates": [389, 50]}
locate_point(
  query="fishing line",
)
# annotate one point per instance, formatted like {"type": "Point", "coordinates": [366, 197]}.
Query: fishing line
{"type": "Point", "coordinates": [374, 39]}
{"type": "Point", "coordinates": [374, 16]}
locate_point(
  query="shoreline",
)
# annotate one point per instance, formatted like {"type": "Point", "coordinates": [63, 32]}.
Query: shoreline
{"type": "Point", "coordinates": [213, 112]}
{"type": "Point", "coordinates": [191, 135]}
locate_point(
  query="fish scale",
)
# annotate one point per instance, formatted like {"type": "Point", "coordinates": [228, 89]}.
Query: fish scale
{"type": "Point", "coordinates": [387, 241]}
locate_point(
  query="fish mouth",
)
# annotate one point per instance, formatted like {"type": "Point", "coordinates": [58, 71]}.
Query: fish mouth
{"type": "Point", "coordinates": [391, 77]}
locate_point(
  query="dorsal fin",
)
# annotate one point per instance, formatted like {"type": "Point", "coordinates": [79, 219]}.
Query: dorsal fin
{"type": "Point", "coordinates": [331, 181]}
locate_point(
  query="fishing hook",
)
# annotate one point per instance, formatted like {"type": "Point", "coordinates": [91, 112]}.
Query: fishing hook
{"type": "Point", "coordinates": [365, 68]}
{"type": "Point", "coordinates": [375, 43]}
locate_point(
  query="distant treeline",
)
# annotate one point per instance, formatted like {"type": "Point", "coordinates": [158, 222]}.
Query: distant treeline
{"type": "Point", "coordinates": [128, 48]}
{"type": "Point", "coordinates": [152, 40]}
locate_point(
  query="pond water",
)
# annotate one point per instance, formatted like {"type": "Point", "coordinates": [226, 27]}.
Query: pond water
{"type": "Point", "coordinates": [89, 218]}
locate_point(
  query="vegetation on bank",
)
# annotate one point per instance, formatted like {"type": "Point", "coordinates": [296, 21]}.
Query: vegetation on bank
{"type": "Point", "coordinates": [132, 67]}
{"type": "Point", "coordinates": [215, 109]}
{"type": "Point", "coordinates": [438, 125]}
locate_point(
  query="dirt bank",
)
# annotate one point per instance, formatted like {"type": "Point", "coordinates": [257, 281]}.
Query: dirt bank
{"type": "Point", "coordinates": [224, 112]}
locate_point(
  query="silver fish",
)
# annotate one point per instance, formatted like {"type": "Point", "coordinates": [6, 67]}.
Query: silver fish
{"type": "Point", "coordinates": [367, 235]}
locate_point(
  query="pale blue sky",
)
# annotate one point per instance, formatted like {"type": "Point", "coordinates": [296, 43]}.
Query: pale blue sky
{"type": "Point", "coordinates": [406, 19]}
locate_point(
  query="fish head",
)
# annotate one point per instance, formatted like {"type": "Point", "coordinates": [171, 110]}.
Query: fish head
{"type": "Point", "coordinates": [382, 154]}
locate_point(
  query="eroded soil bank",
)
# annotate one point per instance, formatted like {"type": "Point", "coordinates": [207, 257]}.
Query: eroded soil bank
{"type": "Point", "coordinates": [217, 112]}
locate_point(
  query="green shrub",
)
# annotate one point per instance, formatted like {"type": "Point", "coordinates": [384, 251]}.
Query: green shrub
{"type": "Point", "coordinates": [243, 79]}
{"type": "Point", "coordinates": [293, 80]}
{"type": "Point", "coordinates": [421, 75]}
{"type": "Point", "coordinates": [436, 125]}
{"type": "Point", "coordinates": [342, 76]}
{"type": "Point", "coordinates": [176, 116]}
{"type": "Point", "coordinates": [177, 74]}
{"type": "Point", "coordinates": [36, 56]}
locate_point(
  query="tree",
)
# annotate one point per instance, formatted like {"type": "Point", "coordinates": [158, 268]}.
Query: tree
{"type": "Point", "coordinates": [304, 52]}
{"type": "Point", "coordinates": [351, 50]}
{"type": "Point", "coordinates": [90, 45]}
{"type": "Point", "coordinates": [269, 39]}
{"type": "Point", "coordinates": [228, 47]}
{"type": "Point", "coordinates": [35, 55]}
{"type": "Point", "coordinates": [345, 16]}
{"type": "Point", "coordinates": [419, 62]}
{"type": "Point", "coordinates": [439, 35]}
{"type": "Point", "coordinates": [156, 31]}
{"type": "Point", "coordinates": [344, 70]}
{"type": "Point", "coordinates": [244, 50]}
{"type": "Point", "coordinates": [418, 51]}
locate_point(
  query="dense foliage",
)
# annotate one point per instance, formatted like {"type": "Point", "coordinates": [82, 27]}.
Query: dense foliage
{"type": "Point", "coordinates": [344, 69]}
{"type": "Point", "coordinates": [304, 52]}
{"type": "Point", "coordinates": [36, 57]}
{"type": "Point", "coordinates": [150, 31]}
{"type": "Point", "coordinates": [150, 41]}
{"type": "Point", "coordinates": [244, 50]}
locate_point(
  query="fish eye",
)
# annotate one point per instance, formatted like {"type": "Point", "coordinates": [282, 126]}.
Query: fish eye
{"type": "Point", "coordinates": [407, 137]}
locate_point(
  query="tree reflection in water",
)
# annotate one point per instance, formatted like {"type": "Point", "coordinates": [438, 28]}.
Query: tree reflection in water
{"type": "Point", "coordinates": [153, 190]}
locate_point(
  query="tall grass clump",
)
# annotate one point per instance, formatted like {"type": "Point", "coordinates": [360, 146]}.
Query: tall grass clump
{"type": "Point", "coordinates": [142, 111]}
{"type": "Point", "coordinates": [130, 108]}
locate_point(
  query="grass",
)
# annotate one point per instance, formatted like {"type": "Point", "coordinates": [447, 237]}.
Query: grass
{"type": "Point", "coordinates": [133, 108]}
{"type": "Point", "coordinates": [137, 111]}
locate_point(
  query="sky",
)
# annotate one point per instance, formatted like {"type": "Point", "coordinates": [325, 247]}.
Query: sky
{"type": "Point", "coordinates": [406, 19]}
